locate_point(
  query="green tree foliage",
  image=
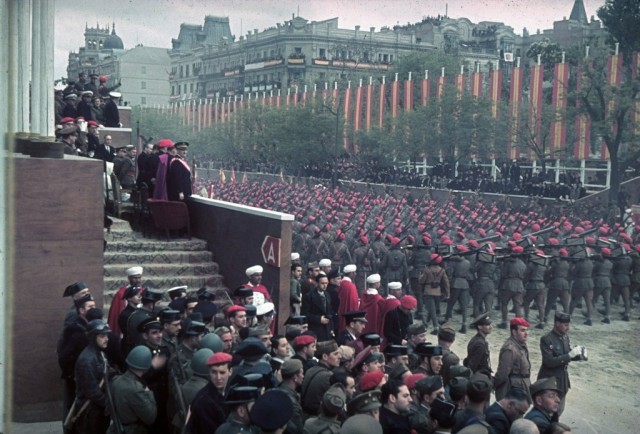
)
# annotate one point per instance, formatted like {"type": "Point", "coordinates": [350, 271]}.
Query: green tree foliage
{"type": "Point", "coordinates": [622, 20]}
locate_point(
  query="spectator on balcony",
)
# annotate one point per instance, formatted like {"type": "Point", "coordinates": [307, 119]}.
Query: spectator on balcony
{"type": "Point", "coordinates": [111, 112]}
{"type": "Point", "coordinates": [69, 109]}
{"type": "Point", "coordinates": [97, 114]}
{"type": "Point", "coordinates": [179, 174]}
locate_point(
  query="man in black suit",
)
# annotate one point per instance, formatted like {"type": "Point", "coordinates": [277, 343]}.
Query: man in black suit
{"type": "Point", "coordinates": [501, 414]}
{"type": "Point", "coordinates": [316, 306]}
{"type": "Point", "coordinates": [179, 174]}
{"type": "Point", "coordinates": [111, 112]}
{"type": "Point", "coordinates": [105, 152]}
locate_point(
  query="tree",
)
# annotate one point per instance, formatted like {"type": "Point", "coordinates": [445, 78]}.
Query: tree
{"type": "Point", "coordinates": [621, 18]}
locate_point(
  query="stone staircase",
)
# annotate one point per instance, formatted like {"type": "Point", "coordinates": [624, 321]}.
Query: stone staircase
{"type": "Point", "coordinates": [166, 264]}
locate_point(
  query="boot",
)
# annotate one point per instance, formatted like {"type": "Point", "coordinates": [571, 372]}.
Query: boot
{"type": "Point", "coordinates": [463, 329]}
{"type": "Point", "coordinates": [502, 325]}
{"type": "Point", "coordinates": [625, 317]}
{"type": "Point", "coordinates": [588, 322]}
{"type": "Point", "coordinates": [606, 321]}
{"type": "Point", "coordinates": [434, 331]}
{"type": "Point", "coordinates": [540, 326]}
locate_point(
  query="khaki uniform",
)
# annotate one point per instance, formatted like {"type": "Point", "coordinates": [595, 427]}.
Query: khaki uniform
{"type": "Point", "coordinates": [514, 368]}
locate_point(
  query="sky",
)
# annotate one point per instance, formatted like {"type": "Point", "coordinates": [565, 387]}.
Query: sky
{"type": "Point", "coordinates": [154, 22]}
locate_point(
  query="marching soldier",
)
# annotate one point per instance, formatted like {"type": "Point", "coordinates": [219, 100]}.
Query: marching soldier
{"type": "Point", "coordinates": [558, 282]}
{"type": "Point", "coordinates": [534, 290]}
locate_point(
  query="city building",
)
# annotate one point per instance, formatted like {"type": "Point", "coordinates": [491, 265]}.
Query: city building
{"type": "Point", "coordinates": [207, 61]}
{"type": "Point", "coordinates": [142, 71]}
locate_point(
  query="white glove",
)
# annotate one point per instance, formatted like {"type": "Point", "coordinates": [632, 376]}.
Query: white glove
{"type": "Point", "coordinates": [575, 351]}
{"type": "Point", "coordinates": [585, 354]}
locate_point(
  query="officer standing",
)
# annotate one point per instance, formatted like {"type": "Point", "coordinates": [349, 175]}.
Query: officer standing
{"type": "Point", "coordinates": [557, 354]}
{"type": "Point", "coordinates": [478, 353]}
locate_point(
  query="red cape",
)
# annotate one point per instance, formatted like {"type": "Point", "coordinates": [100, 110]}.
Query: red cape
{"type": "Point", "coordinates": [117, 306]}
{"type": "Point", "coordinates": [373, 305]}
{"type": "Point", "coordinates": [348, 294]}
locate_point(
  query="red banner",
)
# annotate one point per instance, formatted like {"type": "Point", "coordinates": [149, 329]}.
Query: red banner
{"type": "Point", "coordinates": [582, 148]}
{"type": "Point", "coordinates": [535, 106]}
{"type": "Point", "coordinates": [395, 98]}
{"type": "Point", "coordinates": [495, 90]}
{"type": "Point", "coordinates": [614, 78]}
{"type": "Point", "coordinates": [559, 102]}
{"type": "Point", "coordinates": [515, 104]}
{"type": "Point", "coordinates": [223, 107]}
{"type": "Point", "coordinates": [440, 86]}
{"type": "Point", "coordinates": [347, 114]}
{"type": "Point", "coordinates": [278, 99]}
{"type": "Point", "coordinates": [459, 83]}
{"type": "Point", "coordinates": [357, 109]}
{"type": "Point", "coordinates": [476, 84]}
{"type": "Point", "coordinates": [408, 95]}
{"type": "Point", "coordinates": [369, 107]}
{"type": "Point", "coordinates": [425, 91]}
{"type": "Point", "coordinates": [381, 104]}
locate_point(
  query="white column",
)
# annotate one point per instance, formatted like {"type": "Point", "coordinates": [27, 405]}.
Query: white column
{"type": "Point", "coordinates": [609, 175]}
{"type": "Point", "coordinates": [36, 68]}
{"type": "Point", "coordinates": [47, 37]}
{"type": "Point", "coordinates": [557, 170]}
{"type": "Point", "coordinates": [494, 172]}
{"type": "Point", "coordinates": [582, 170]}
{"type": "Point", "coordinates": [23, 63]}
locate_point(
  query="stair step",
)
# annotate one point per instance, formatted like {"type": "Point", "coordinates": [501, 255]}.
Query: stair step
{"type": "Point", "coordinates": [156, 257]}
{"type": "Point", "coordinates": [152, 270]}
{"type": "Point", "coordinates": [151, 245]}
{"type": "Point", "coordinates": [112, 284]}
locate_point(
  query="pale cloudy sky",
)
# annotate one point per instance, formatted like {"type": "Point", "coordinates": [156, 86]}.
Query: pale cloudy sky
{"type": "Point", "coordinates": [155, 22]}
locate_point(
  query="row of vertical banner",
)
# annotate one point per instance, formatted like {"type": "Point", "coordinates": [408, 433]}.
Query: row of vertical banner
{"type": "Point", "coordinates": [366, 105]}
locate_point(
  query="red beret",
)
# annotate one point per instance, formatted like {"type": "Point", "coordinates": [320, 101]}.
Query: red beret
{"type": "Point", "coordinates": [605, 251]}
{"type": "Point", "coordinates": [370, 380]}
{"type": "Point", "coordinates": [447, 241]}
{"type": "Point", "coordinates": [517, 236]}
{"type": "Point", "coordinates": [517, 249]}
{"type": "Point", "coordinates": [395, 241]}
{"type": "Point", "coordinates": [462, 249]}
{"type": "Point", "coordinates": [103, 78]}
{"type": "Point", "coordinates": [235, 308]}
{"type": "Point", "coordinates": [603, 230]}
{"type": "Point", "coordinates": [473, 243]}
{"type": "Point", "coordinates": [519, 322]}
{"type": "Point", "coordinates": [435, 258]}
{"type": "Point", "coordinates": [219, 359]}
{"type": "Point", "coordinates": [563, 252]}
{"type": "Point", "coordinates": [554, 241]}
{"type": "Point", "coordinates": [426, 239]}
{"type": "Point", "coordinates": [364, 240]}
{"type": "Point", "coordinates": [535, 227]}
{"type": "Point", "coordinates": [408, 302]}
{"type": "Point", "coordinates": [303, 340]}
{"type": "Point", "coordinates": [67, 119]}
{"type": "Point", "coordinates": [93, 124]}
{"type": "Point", "coordinates": [165, 143]}
{"type": "Point", "coordinates": [590, 240]}
{"type": "Point", "coordinates": [412, 379]}
{"type": "Point", "coordinates": [579, 229]}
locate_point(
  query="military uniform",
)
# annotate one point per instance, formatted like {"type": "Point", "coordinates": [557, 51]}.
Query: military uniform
{"type": "Point", "coordinates": [365, 261]}
{"type": "Point", "coordinates": [555, 361]}
{"type": "Point", "coordinates": [315, 384]}
{"type": "Point", "coordinates": [558, 282]}
{"type": "Point", "coordinates": [435, 284]}
{"type": "Point", "coordinates": [135, 404]}
{"type": "Point", "coordinates": [89, 372]}
{"type": "Point", "coordinates": [542, 420]}
{"type": "Point", "coordinates": [393, 423]}
{"type": "Point", "coordinates": [420, 258]}
{"type": "Point", "coordinates": [621, 280]}
{"type": "Point", "coordinates": [512, 287]}
{"type": "Point", "coordinates": [460, 275]}
{"type": "Point", "coordinates": [158, 382]}
{"type": "Point", "coordinates": [602, 282]}
{"type": "Point", "coordinates": [191, 388]}
{"type": "Point", "coordinates": [514, 368]}
{"type": "Point", "coordinates": [419, 419]}
{"type": "Point", "coordinates": [134, 335]}
{"type": "Point", "coordinates": [393, 267]}
{"type": "Point", "coordinates": [321, 425]}
{"type": "Point", "coordinates": [484, 287]}
{"type": "Point", "coordinates": [295, 424]}
{"type": "Point", "coordinates": [478, 355]}
{"type": "Point", "coordinates": [582, 285]}
{"type": "Point", "coordinates": [534, 289]}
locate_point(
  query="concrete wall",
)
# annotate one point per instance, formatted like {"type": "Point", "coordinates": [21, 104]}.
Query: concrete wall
{"type": "Point", "coordinates": [57, 240]}
{"type": "Point", "coordinates": [235, 233]}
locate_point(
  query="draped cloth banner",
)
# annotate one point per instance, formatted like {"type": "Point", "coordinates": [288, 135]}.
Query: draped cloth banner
{"type": "Point", "coordinates": [582, 147]}
{"type": "Point", "coordinates": [535, 108]}
{"type": "Point", "coordinates": [614, 78]}
{"type": "Point", "coordinates": [381, 104]}
{"type": "Point", "coordinates": [425, 91]}
{"type": "Point", "coordinates": [476, 84]}
{"type": "Point", "coordinates": [408, 95]}
{"type": "Point", "coordinates": [395, 97]}
{"type": "Point", "coordinates": [558, 137]}
{"type": "Point", "coordinates": [515, 105]}
{"type": "Point", "coordinates": [347, 115]}
{"type": "Point", "coordinates": [357, 109]}
{"type": "Point", "coordinates": [368, 114]}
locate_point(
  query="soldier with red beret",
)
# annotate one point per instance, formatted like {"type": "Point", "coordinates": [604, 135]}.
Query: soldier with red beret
{"type": "Point", "coordinates": [514, 367]}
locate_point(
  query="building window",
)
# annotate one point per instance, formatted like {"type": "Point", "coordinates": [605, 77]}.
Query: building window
{"type": "Point", "coordinates": [191, 87]}
{"type": "Point", "coordinates": [186, 71]}
{"type": "Point", "coordinates": [181, 71]}
{"type": "Point", "coordinates": [143, 69]}
{"type": "Point", "coordinates": [143, 100]}
{"type": "Point", "coordinates": [143, 85]}
{"type": "Point", "coordinates": [323, 53]}
{"type": "Point", "coordinates": [173, 90]}
{"type": "Point", "coordinates": [184, 88]}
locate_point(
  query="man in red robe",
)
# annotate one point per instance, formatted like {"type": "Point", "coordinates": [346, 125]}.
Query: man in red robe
{"type": "Point", "coordinates": [373, 304]}
{"type": "Point", "coordinates": [348, 294]}
{"type": "Point", "coordinates": [118, 302]}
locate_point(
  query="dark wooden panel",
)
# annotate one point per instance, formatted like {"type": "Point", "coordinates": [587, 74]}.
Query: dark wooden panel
{"type": "Point", "coordinates": [58, 239]}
